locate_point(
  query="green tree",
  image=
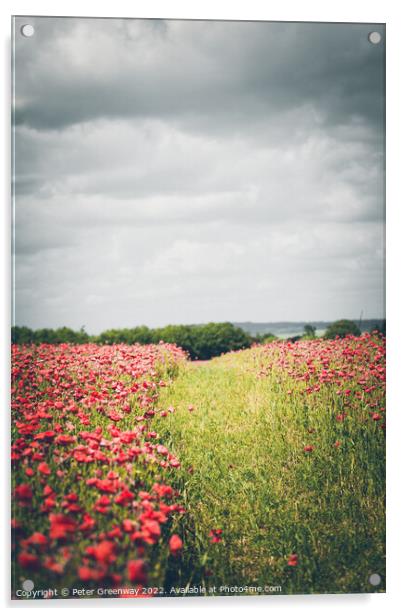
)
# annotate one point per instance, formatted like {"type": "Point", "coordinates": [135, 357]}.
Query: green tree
{"type": "Point", "coordinates": [141, 335]}
{"type": "Point", "coordinates": [205, 341]}
{"type": "Point", "coordinates": [342, 328]}
{"type": "Point", "coordinates": [309, 331]}
{"type": "Point", "coordinates": [264, 338]}
{"type": "Point", "coordinates": [22, 335]}
{"type": "Point", "coordinates": [213, 339]}
{"type": "Point", "coordinates": [182, 335]}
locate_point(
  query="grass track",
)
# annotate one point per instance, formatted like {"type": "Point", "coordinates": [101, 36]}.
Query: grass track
{"type": "Point", "coordinates": [244, 470]}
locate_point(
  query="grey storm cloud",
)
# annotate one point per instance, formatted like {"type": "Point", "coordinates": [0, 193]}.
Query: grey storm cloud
{"type": "Point", "coordinates": [186, 171]}
{"type": "Point", "coordinates": [187, 71]}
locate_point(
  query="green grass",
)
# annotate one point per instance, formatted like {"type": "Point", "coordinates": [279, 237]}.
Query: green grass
{"type": "Point", "coordinates": [244, 470]}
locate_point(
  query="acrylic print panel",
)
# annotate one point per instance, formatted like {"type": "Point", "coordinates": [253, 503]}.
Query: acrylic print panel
{"type": "Point", "coordinates": [198, 316]}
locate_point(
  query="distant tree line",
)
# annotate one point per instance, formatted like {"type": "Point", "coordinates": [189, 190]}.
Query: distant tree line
{"type": "Point", "coordinates": [338, 329]}
{"type": "Point", "coordinates": [200, 341]}
{"type": "Point", "coordinates": [25, 335]}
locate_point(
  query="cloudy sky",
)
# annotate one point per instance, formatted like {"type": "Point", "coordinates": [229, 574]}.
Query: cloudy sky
{"type": "Point", "coordinates": [186, 172]}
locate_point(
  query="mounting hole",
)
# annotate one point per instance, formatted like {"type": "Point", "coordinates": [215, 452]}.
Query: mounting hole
{"type": "Point", "coordinates": [374, 579]}
{"type": "Point", "coordinates": [28, 585]}
{"type": "Point", "coordinates": [374, 38]}
{"type": "Point", "coordinates": [27, 30]}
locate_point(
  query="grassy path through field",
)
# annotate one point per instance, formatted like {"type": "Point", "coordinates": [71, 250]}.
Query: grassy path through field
{"type": "Point", "coordinates": [244, 470]}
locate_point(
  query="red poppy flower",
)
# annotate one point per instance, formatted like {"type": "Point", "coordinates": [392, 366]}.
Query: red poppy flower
{"type": "Point", "coordinates": [45, 436]}
{"type": "Point", "coordinates": [128, 526]}
{"type": "Point", "coordinates": [44, 468]}
{"type": "Point", "coordinates": [103, 552]}
{"type": "Point", "coordinates": [86, 573]}
{"type": "Point", "coordinates": [23, 492]}
{"type": "Point", "coordinates": [64, 439]}
{"type": "Point", "coordinates": [52, 565]}
{"type": "Point", "coordinates": [88, 523]}
{"type": "Point", "coordinates": [293, 560]}
{"type": "Point", "coordinates": [124, 498]}
{"type": "Point", "coordinates": [136, 571]}
{"type": "Point", "coordinates": [37, 539]}
{"type": "Point", "coordinates": [47, 490]}
{"type": "Point", "coordinates": [27, 560]}
{"type": "Point", "coordinates": [61, 526]}
{"type": "Point", "coordinates": [175, 544]}
{"type": "Point", "coordinates": [151, 530]}
{"type": "Point", "coordinates": [216, 535]}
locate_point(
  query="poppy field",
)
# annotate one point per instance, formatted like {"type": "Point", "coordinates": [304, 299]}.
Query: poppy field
{"type": "Point", "coordinates": [138, 473]}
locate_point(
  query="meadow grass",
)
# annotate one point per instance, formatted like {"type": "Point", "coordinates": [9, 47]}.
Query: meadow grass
{"type": "Point", "coordinates": [244, 470]}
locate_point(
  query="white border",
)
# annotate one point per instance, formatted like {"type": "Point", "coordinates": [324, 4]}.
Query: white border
{"type": "Point", "coordinates": [285, 10]}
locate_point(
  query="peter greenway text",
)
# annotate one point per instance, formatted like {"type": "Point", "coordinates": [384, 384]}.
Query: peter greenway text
{"type": "Point", "coordinates": [152, 591]}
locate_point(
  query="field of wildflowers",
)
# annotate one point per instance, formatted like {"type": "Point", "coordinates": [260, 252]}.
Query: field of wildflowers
{"type": "Point", "coordinates": [90, 502]}
{"type": "Point", "coordinates": [259, 471]}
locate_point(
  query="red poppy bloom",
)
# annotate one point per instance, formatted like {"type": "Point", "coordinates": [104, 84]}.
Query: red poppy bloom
{"type": "Point", "coordinates": [293, 560]}
{"type": "Point", "coordinates": [61, 526]}
{"type": "Point", "coordinates": [341, 417]}
{"type": "Point", "coordinates": [103, 552]}
{"type": "Point", "coordinates": [151, 530]}
{"type": "Point", "coordinates": [27, 560]}
{"type": "Point", "coordinates": [136, 571]}
{"type": "Point", "coordinates": [37, 539]}
{"type": "Point", "coordinates": [128, 526]}
{"type": "Point", "coordinates": [52, 565]}
{"type": "Point", "coordinates": [175, 544]}
{"type": "Point", "coordinates": [23, 492]}
{"type": "Point", "coordinates": [85, 574]}
{"type": "Point", "coordinates": [44, 468]}
{"type": "Point", "coordinates": [216, 535]}
{"type": "Point", "coordinates": [124, 498]}
{"type": "Point", "coordinates": [88, 523]}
